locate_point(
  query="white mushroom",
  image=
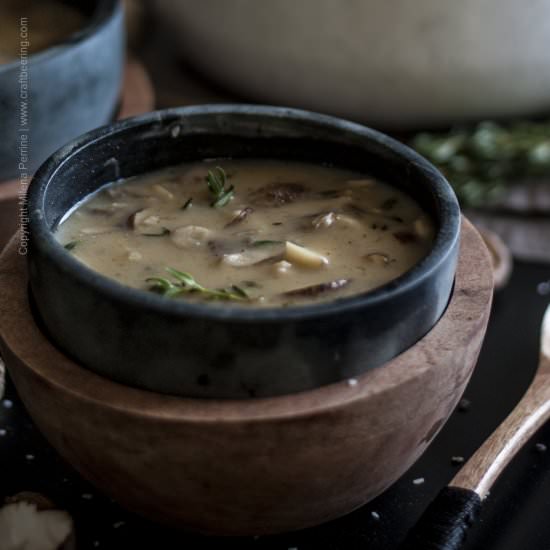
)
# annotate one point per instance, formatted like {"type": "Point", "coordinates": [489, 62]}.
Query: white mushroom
{"type": "Point", "coordinates": [248, 257]}
{"type": "Point", "coordinates": [324, 220]}
{"type": "Point", "coordinates": [282, 268]}
{"type": "Point", "coordinates": [304, 257]}
{"type": "Point", "coordinates": [190, 236]}
{"type": "Point", "coordinates": [348, 221]}
{"type": "Point", "coordinates": [162, 192]}
{"type": "Point", "coordinates": [29, 522]}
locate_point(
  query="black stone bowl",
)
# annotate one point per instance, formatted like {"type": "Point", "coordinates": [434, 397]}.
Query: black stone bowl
{"type": "Point", "coordinates": [211, 350]}
{"type": "Point", "coordinates": [73, 87]}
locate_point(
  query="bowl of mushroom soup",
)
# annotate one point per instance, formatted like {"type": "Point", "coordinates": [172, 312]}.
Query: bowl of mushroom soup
{"type": "Point", "coordinates": [238, 252]}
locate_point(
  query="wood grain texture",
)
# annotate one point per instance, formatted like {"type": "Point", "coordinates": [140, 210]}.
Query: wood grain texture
{"type": "Point", "coordinates": [251, 466]}
{"type": "Point", "coordinates": [490, 460]}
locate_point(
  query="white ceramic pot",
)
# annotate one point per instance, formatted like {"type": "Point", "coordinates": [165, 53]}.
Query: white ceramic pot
{"type": "Point", "coordinates": [392, 63]}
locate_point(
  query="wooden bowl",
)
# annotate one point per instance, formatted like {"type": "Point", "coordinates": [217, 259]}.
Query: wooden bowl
{"type": "Point", "coordinates": [256, 466]}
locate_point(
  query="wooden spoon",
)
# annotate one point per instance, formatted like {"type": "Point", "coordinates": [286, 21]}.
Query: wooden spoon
{"type": "Point", "coordinates": [444, 524]}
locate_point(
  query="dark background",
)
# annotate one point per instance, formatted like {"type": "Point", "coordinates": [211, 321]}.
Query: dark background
{"type": "Point", "coordinates": [515, 516]}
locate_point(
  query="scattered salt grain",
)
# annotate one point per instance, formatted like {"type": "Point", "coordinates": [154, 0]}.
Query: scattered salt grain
{"type": "Point", "coordinates": [3, 432]}
{"type": "Point", "coordinates": [457, 459]}
{"type": "Point", "coordinates": [540, 447]}
{"type": "Point", "coordinates": [543, 288]}
{"type": "Point", "coordinates": [7, 403]}
{"type": "Point", "coordinates": [87, 496]}
{"type": "Point", "coordinates": [418, 481]}
{"type": "Point", "coordinates": [29, 456]}
{"type": "Point", "coordinates": [96, 543]}
{"type": "Point", "coordinates": [118, 524]}
{"type": "Point", "coordinates": [375, 515]}
{"type": "Point", "coordinates": [352, 382]}
{"type": "Point", "coordinates": [464, 405]}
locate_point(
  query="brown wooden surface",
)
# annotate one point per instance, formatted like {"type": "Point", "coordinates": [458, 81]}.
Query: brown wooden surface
{"type": "Point", "coordinates": [137, 98]}
{"type": "Point", "coordinates": [490, 460]}
{"type": "Point", "coordinates": [252, 466]}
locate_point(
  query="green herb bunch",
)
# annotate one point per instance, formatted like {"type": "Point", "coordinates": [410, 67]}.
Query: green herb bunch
{"type": "Point", "coordinates": [482, 161]}
{"type": "Point", "coordinates": [216, 180]}
{"type": "Point", "coordinates": [185, 283]}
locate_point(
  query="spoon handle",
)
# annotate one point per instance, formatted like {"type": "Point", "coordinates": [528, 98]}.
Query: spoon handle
{"type": "Point", "coordinates": [444, 524]}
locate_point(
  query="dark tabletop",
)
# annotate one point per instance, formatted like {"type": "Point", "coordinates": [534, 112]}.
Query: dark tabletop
{"type": "Point", "coordinates": [515, 517]}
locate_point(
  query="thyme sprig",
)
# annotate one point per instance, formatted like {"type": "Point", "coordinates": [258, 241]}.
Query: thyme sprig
{"type": "Point", "coordinates": [216, 180]}
{"type": "Point", "coordinates": [481, 162]}
{"type": "Point", "coordinates": [185, 283]}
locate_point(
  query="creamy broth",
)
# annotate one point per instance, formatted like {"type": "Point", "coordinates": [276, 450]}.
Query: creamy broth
{"type": "Point", "coordinates": [275, 233]}
{"type": "Point", "coordinates": [49, 22]}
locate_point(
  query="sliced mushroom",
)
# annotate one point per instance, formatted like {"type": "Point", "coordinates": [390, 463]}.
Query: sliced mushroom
{"type": "Point", "coordinates": [251, 256]}
{"type": "Point", "coordinates": [304, 257]}
{"type": "Point", "coordinates": [190, 236]}
{"type": "Point", "coordinates": [240, 216]}
{"type": "Point", "coordinates": [315, 290]}
{"type": "Point", "coordinates": [324, 220]}
{"type": "Point", "coordinates": [162, 192]}
{"type": "Point", "coordinates": [348, 221]}
{"type": "Point", "coordinates": [144, 222]}
{"type": "Point", "coordinates": [378, 258]}
{"type": "Point", "coordinates": [277, 194]}
{"type": "Point", "coordinates": [282, 268]}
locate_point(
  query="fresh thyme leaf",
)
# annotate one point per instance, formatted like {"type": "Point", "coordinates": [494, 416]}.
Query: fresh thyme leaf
{"type": "Point", "coordinates": [239, 291]}
{"type": "Point", "coordinates": [164, 232]}
{"type": "Point", "coordinates": [216, 180]}
{"type": "Point", "coordinates": [71, 245]}
{"type": "Point", "coordinates": [185, 283]}
{"type": "Point", "coordinates": [187, 204]}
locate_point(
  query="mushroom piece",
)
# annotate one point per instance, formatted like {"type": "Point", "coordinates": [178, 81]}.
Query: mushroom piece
{"type": "Point", "coordinates": [30, 521]}
{"type": "Point", "coordinates": [240, 216]}
{"type": "Point", "coordinates": [277, 194]}
{"type": "Point", "coordinates": [282, 268]}
{"type": "Point", "coordinates": [378, 258]}
{"type": "Point", "coordinates": [190, 236]}
{"type": "Point", "coordinates": [315, 290]}
{"type": "Point", "coordinates": [324, 220]}
{"type": "Point", "coordinates": [304, 257]}
{"type": "Point", "coordinates": [143, 222]}
{"type": "Point", "coordinates": [251, 256]}
{"type": "Point", "coordinates": [162, 192]}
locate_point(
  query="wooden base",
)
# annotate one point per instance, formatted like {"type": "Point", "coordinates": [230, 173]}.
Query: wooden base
{"type": "Point", "coordinates": [252, 466]}
{"type": "Point", "coordinates": [137, 97]}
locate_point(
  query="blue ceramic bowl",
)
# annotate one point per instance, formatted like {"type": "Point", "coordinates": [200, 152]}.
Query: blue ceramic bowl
{"type": "Point", "coordinates": [208, 350]}
{"type": "Point", "coordinates": [73, 87]}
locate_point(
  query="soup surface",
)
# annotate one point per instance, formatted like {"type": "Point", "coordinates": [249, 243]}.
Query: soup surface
{"type": "Point", "coordinates": [48, 22]}
{"type": "Point", "coordinates": [257, 232]}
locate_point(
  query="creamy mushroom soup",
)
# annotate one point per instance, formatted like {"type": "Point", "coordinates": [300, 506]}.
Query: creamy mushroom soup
{"type": "Point", "coordinates": [254, 232]}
